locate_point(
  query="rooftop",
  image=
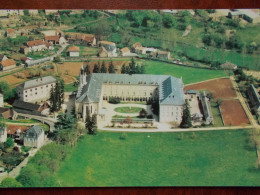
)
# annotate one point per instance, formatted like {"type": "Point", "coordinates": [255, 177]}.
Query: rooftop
{"type": "Point", "coordinates": [34, 132]}
{"type": "Point", "coordinates": [170, 88]}
{"type": "Point", "coordinates": [8, 62]}
{"type": "Point", "coordinates": [35, 43]}
{"type": "Point", "coordinates": [73, 49]}
{"type": "Point", "coordinates": [38, 82]}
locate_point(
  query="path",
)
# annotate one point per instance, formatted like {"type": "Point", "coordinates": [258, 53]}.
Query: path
{"type": "Point", "coordinates": [177, 129]}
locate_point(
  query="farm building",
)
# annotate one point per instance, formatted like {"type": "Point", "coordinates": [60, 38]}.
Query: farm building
{"type": "Point", "coordinates": [206, 108]}
{"type": "Point", "coordinates": [253, 95]}
{"type": "Point", "coordinates": [7, 113]}
{"type": "Point", "coordinates": [166, 90]}
{"type": "Point", "coordinates": [34, 137]}
{"type": "Point", "coordinates": [36, 45]}
{"type": "Point", "coordinates": [36, 90]}
{"type": "Point", "coordinates": [73, 51]}
{"type": "Point", "coordinates": [7, 64]}
{"type": "Point", "coordinates": [81, 39]}
{"type": "Point", "coordinates": [16, 132]}
{"type": "Point", "coordinates": [10, 33]}
{"type": "Point", "coordinates": [228, 66]}
{"type": "Point", "coordinates": [110, 48]}
{"type": "Point", "coordinates": [246, 14]}
{"type": "Point", "coordinates": [163, 54]}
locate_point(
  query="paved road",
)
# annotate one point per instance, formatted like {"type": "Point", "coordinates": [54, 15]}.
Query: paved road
{"type": "Point", "coordinates": [47, 120]}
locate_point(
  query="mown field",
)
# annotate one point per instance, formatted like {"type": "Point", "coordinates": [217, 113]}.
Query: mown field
{"type": "Point", "coordinates": [215, 158]}
{"type": "Point", "coordinates": [188, 74]}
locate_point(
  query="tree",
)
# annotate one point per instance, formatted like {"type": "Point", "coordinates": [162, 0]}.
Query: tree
{"type": "Point", "coordinates": [219, 102]}
{"type": "Point", "coordinates": [186, 117]}
{"type": "Point", "coordinates": [10, 182]}
{"type": "Point", "coordinates": [111, 68]}
{"type": "Point", "coordinates": [123, 69]}
{"type": "Point", "coordinates": [132, 67]}
{"type": "Point", "coordinates": [65, 121]}
{"type": "Point", "coordinates": [143, 113]}
{"type": "Point", "coordinates": [91, 123]}
{"type": "Point", "coordinates": [142, 71]}
{"type": "Point", "coordinates": [103, 68]}
{"type": "Point", "coordinates": [9, 142]}
{"type": "Point", "coordinates": [87, 69]}
{"type": "Point", "coordinates": [168, 20]}
{"type": "Point", "coordinates": [96, 69]}
{"type": "Point", "coordinates": [53, 102]}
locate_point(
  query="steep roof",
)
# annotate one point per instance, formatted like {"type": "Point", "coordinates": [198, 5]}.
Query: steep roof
{"type": "Point", "coordinates": [163, 52]}
{"type": "Point", "coordinates": [52, 38]}
{"type": "Point", "coordinates": [8, 62]}
{"type": "Point", "coordinates": [11, 129]}
{"type": "Point", "coordinates": [10, 30]}
{"type": "Point", "coordinates": [38, 82]}
{"type": "Point", "coordinates": [107, 43]}
{"type": "Point", "coordinates": [170, 88]}
{"type": "Point", "coordinates": [34, 132]}
{"type": "Point", "coordinates": [73, 49]}
{"type": "Point", "coordinates": [35, 43]}
{"type": "Point", "coordinates": [102, 49]}
{"type": "Point", "coordinates": [25, 105]}
{"type": "Point", "coordinates": [125, 50]}
{"type": "Point", "coordinates": [228, 65]}
{"type": "Point", "coordinates": [137, 44]}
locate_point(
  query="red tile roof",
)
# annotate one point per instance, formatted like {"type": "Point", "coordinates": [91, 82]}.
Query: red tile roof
{"type": "Point", "coordinates": [73, 49]}
{"type": "Point", "coordinates": [8, 62]}
{"type": "Point", "coordinates": [11, 129]}
{"type": "Point", "coordinates": [52, 38]}
{"type": "Point", "coordinates": [35, 43]}
{"type": "Point", "coordinates": [10, 30]}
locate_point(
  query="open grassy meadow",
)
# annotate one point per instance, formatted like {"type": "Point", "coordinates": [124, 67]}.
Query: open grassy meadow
{"type": "Point", "coordinates": [188, 74]}
{"type": "Point", "coordinates": [215, 158]}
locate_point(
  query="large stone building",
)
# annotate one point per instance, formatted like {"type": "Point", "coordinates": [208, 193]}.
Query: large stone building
{"type": "Point", "coordinates": [36, 90]}
{"type": "Point", "coordinates": [165, 89]}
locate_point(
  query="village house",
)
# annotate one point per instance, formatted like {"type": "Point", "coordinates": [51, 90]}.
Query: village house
{"type": "Point", "coordinates": [16, 132]}
{"type": "Point", "coordinates": [136, 45]}
{"type": "Point", "coordinates": [73, 51]}
{"type": "Point", "coordinates": [7, 113]}
{"type": "Point", "coordinates": [55, 40]}
{"type": "Point", "coordinates": [246, 14]}
{"type": "Point", "coordinates": [163, 54]}
{"type": "Point", "coordinates": [228, 66]}
{"type": "Point", "coordinates": [254, 97]}
{"type": "Point", "coordinates": [126, 52]}
{"type": "Point", "coordinates": [10, 12]}
{"type": "Point", "coordinates": [1, 100]}
{"type": "Point", "coordinates": [6, 64]}
{"type": "Point", "coordinates": [81, 39]}
{"type": "Point", "coordinates": [3, 134]}
{"type": "Point", "coordinates": [102, 52]}
{"type": "Point", "coordinates": [36, 90]}
{"type": "Point", "coordinates": [34, 137]}
{"type": "Point", "coordinates": [110, 48]}
{"type": "Point", "coordinates": [10, 33]}
{"type": "Point", "coordinates": [36, 45]}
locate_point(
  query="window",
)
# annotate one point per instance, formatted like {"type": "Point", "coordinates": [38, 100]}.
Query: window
{"type": "Point", "coordinates": [30, 89]}
{"type": "Point", "coordinates": [35, 88]}
{"type": "Point", "coordinates": [46, 85]}
{"type": "Point", "coordinates": [35, 93]}
{"type": "Point", "coordinates": [25, 95]}
{"type": "Point", "coordinates": [25, 91]}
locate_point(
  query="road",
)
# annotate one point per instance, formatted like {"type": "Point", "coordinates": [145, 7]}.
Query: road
{"type": "Point", "coordinates": [47, 120]}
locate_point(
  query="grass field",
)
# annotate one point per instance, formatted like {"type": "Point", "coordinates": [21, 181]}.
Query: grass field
{"type": "Point", "coordinates": [127, 109]}
{"type": "Point", "coordinates": [70, 87]}
{"type": "Point", "coordinates": [216, 114]}
{"type": "Point", "coordinates": [218, 158]}
{"type": "Point", "coordinates": [188, 74]}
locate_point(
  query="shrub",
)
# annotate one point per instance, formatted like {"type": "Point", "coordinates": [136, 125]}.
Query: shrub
{"type": "Point", "coordinates": [114, 100]}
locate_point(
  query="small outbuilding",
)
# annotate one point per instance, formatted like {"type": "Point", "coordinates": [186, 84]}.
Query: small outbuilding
{"type": "Point", "coordinates": [73, 51]}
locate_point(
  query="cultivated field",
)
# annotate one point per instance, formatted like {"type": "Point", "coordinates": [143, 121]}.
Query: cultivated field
{"type": "Point", "coordinates": [73, 68]}
{"type": "Point", "coordinates": [233, 113]}
{"type": "Point", "coordinates": [215, 158]}
{"type": "Point", "coordinates": [221, 88]}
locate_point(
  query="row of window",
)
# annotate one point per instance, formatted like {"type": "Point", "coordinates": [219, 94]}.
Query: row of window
{"type": "Point", "coordinates": [41, 88]}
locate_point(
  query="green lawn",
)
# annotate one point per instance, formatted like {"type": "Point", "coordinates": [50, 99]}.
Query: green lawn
{"type": "Point", "coordinates": [216, 115]}
{"type": "Point", "coordinates": [215, 158]}
{"type": "Point", "coordinates": [188, 74]}
{"type": "Point", "coordinates": [70, 87]}
{"type": "Point", "coordinates": [128, 109]}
